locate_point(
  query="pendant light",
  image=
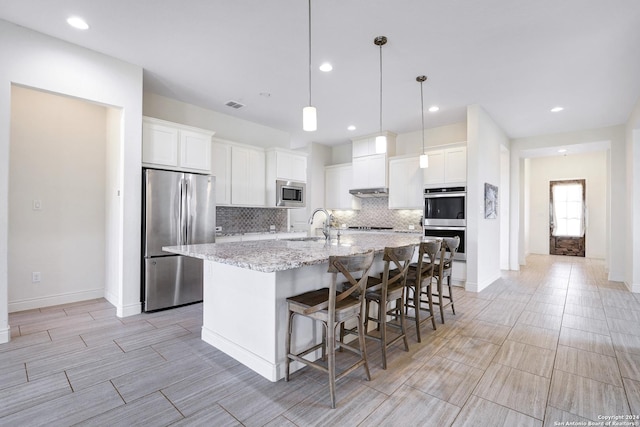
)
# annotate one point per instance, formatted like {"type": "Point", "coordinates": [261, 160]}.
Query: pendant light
{"type": "Point", "coordinates": [309, 118]}
{"type": "Point", "coordinates": [424, 159]}
{"type": "Point", "coordinates": [381, 140]}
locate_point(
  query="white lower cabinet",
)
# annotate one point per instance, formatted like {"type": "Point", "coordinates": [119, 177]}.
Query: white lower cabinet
{"type": "Point", "coordinates": [459, 273]}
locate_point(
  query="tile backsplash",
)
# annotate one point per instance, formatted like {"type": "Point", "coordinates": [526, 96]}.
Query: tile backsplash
{"type": "Point", "coordinates": [248, 220]}
{"type": "Point", "coordinates": [375, 212]}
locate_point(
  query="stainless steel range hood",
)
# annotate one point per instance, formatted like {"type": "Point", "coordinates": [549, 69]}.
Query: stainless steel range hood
{"type": "Point", "coordinates": [370, 192]}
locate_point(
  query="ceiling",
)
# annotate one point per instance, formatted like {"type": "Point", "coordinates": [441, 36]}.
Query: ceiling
{"type": "Point", "coordinates": [515, 58]}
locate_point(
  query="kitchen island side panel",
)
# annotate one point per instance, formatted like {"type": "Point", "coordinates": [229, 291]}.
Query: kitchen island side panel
{"type": "Point", "coordinates": [245, 313]}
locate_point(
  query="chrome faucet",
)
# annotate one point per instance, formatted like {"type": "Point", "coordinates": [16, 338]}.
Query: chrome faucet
{"type": "Point", "coordinates": [326, 227]}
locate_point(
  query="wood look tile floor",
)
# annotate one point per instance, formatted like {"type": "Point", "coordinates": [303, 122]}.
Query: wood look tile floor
{"type": "Point", "coordinates": [555, 342]}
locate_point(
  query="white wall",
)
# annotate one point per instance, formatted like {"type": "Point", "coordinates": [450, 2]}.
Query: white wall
{"type": "Point", "coordinates": [632, 196]}
{"type": "Point", "coordinates": [56, 157]}
{"type": "Point", "coordinates": [591, 167]}
{"type": "Point", "coordinates": [485, 140]}
{"type": "Point", "coordinates": [225, 126]}
{"type": "Point", "coordinates": [34, 60]}
{"type": "Point", "coordinates": [612, 137]}
{"type": "Point", "coordinates": [411, 142]}
{"type": "Point", "coordinates": [504, 207]}
{"type": "Point", "coordinates": [113, 221]}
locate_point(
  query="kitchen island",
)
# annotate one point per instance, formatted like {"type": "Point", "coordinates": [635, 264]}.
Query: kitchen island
{"type": "Point", "coordinates": [246, 285]}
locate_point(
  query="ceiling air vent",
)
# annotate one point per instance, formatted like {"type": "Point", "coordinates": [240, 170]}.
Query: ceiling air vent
{"type": "Point", "coordinates": [234, 104]}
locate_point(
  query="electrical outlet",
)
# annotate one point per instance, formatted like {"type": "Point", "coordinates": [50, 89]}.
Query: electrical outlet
{"type": "Point", "coordinates": [272, 228]}
{"type": "Point", "coordinates": [37, 205]}
{"type": "Point", "coordinates": [36, 277]}
{"type": "Point", "coordinates": [412, 227]}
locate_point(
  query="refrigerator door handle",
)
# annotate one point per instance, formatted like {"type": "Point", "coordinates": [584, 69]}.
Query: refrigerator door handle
{"type": "Point", "coordinates": [181, 213]}
{"type": "Point", "coordinates": [187, 206]}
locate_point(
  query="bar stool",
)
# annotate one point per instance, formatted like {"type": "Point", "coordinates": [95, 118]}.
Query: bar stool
{"type": "Point", "coordinates": [333, 308]}
{"type": "Point", "coordinates": [419, 278]}
{"type": "Point", "coordinates": [390, 287]}
{"type": "Point", "coordinates": [445, 266]}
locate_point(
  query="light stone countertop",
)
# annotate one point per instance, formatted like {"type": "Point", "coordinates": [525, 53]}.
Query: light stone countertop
{"type": "Point", "coordinates": [278, 255]}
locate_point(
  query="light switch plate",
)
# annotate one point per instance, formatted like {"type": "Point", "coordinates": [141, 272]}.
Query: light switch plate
{"type": "Point", "coordinates": [37, 205]}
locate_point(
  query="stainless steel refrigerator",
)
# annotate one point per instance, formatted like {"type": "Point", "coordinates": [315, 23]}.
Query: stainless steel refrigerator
{"type": "Point", "coordinates": [178, 209]}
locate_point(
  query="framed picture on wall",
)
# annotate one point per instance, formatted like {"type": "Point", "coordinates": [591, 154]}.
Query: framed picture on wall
{"type": "Point", "coordinates": [490, 201]}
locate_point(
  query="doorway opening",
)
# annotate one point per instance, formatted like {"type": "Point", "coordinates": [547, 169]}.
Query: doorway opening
{"type": "Point", "coordinates": [567, 217]}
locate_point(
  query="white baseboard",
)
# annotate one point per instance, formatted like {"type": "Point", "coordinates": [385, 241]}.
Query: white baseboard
{"type": "Point", "coordinates": [31, 303]}
{"type": "Point", "coordinates": [5, 335]}
{"type": "Point", "coordinates": [477, 287]}
{"type": "Point", "coordinates": [129, 310]}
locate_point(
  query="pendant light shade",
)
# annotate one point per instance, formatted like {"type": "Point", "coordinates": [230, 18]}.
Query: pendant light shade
{"type": "Point", "coordinates": [309, 116]}
{"type": "Point", "coordinates": [309, 119]}
{"type": "Point", "coordinates": [424, 159]}
{"type": "Point", "coordinates": [381, 140]}
{"type": "Point", "coordinates": [381, 144]}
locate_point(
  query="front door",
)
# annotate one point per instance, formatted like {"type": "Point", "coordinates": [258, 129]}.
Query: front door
{"type": "Point", "coordinates": [567, 217]}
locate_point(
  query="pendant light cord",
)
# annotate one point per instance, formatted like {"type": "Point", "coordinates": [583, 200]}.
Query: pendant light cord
{"type": "Point", "coordinates": [380, 89]}
{"type": "Point", "coordinates": [422, 110]}
{"type": "Point", "coordinates": [310, 52]}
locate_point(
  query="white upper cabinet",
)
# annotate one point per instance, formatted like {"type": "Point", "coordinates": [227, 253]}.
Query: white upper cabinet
{"type": "Point", "coordinates": [446, 166]}
{"type": "Point", "coordinates": [370, 170]}
{"type": "Point", "coordinates": [405, 183]}
{"type": "Point", "coordinates": [247, 176]}
{"type": "Point", "coordinates": [455, 165]}
{"type": "Point", "coordinates": [221, 169]}
{"type": "Point", "coordinates": [337, 183]}
{"type": "Point", "coordinates": [286, 165]}
{"type": "Point", "coordinates": [174, 146]}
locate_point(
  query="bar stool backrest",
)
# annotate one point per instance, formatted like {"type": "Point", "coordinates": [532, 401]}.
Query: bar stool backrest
{"type": "Point", "coordinates": [427, 258]}
{"type": "Point", "coordinates": [449, 249]}
{"type": "Point", "coordinates": [349, 266]}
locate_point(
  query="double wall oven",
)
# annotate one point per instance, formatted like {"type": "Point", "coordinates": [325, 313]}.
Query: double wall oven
{"type": "Point", "coordinates": [445, 214]}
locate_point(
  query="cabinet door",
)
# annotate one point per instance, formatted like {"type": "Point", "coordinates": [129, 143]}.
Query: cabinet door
{"type": "Point", "coordinates": [159, 144]}
{"type": "Point", "coordinates": [434, 174]}
{"type": "Point", "coordinates": [405, 183]}
{"type": "Point", "coordinates": [360, 173]}
{"type": "Point", "coordinates": [363, 147]}
{"type": "Point", "coordinates": [455, 165]}
{"type": "Point", "coordinates": [338, 182]}
{"type": "Point", "coordinates": [377, 171]}
{"type": "Point", "coordinates": [221, 169]}
{"type": "Point", "coordinates": [247, 177]}
{"type": "Point", "coordinates": [370, 171]}
{"type": "Point", "coordinates": [195, 150]}
{"type": "Point", "coordinates": [291, 167]}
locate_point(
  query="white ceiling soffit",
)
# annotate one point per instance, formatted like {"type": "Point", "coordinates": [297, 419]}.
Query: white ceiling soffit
{"type": "Point", "coordinates": [517, 59]}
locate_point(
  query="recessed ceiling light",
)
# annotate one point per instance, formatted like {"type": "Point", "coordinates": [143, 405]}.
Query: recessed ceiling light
{"type": "Point", "coordinates": [326, 67]}
{"type": "Point", "coordinates": [434, 108]}
{"type": "Point", "coordinates": [562, 150]}
{"type": "Point", "coordinates": [77, 22]}
{"type": "Point", "coordinates": [557, 109]}
{"type": "Point", "coordinates": [351, 127]}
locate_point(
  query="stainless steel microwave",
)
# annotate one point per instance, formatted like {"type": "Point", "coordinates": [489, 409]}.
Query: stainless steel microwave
{"type": "Point", "coordinates": [290, 194]}
{"type": "Point", "coordinates": [445, 206]}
